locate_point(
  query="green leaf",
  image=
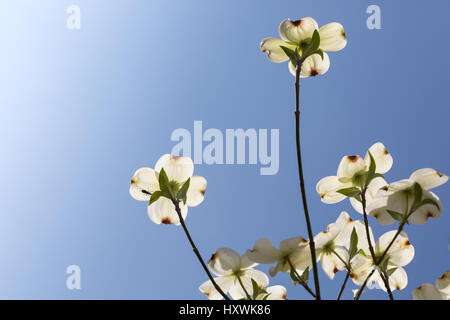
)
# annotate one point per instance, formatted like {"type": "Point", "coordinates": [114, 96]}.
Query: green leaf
{"type": "Point", "coordinates": [294, 278]}
{"type": "Point", "coordinates": [425, 202]}
{"type": "Point", "coordinates": [383, 265]}
{"type": "Point", "coordinates": [372, 168]}
{"type": "Point", "coordinates": [155, 196]}
{"type": "Point", "coordinates": [313, 45]}
{"type": "Point", "coordinates": [164, 184]}
{"type": "Point", "coordinates": [417, 195]}
{"type": "Point", "coordinates": [361, 251]}
{"type": "Point", "coordinates": [320, 53]}
{"type": "Point", "coordinates": [181, 195]}
{"type": "Point", "coordinates": [395, 215]}
{"type": "Point", "coordinates": [391, 271]}
{"type": "Point", "coordinates": [353, 244]}
{"type": "Point", "coordinates": [291, 54]}
{"type": "Point", "coordinates": [305, 275]}
{"type": "Point", "coordinates": [255, 288]}
{"type": "Point", "coordinates": [266, 296]}
{"type": "Point", "coordinates": [429, 201]}
{"type": "Point", "coordinates": [350, 192]}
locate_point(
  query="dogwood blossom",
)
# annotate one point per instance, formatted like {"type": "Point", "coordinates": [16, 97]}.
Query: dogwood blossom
{"type": "Point", "coordinates": [331, 245]}
{"type": "Point", "coordinates": [399, 255]}
{"type": "Point", "coordinates": [440, 291]}
{"type": "Point", "coordinates": [352, 172]}
{"type": "Point", "coordinates": [297, 35]}
{"type": "Point", "coordinates": [294, 250]}
{"type": "Point", "coordinates": [232, 269]}
{"type": "Point", "coordinates": [400, 197]}
{"type": "Point", "coordinates": [178, 169]}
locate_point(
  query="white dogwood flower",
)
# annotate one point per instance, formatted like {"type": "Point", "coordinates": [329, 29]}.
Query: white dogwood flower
{"type": "Point", "coordinates": [400, 197]}
{"type": "Point", "coordinates": [294, 250]}
{"type": "Point", "coordinates": [399, 255]}
{"type": "Point", "coordinates": [352, 172]}
{"type": "Point", "coordinates": [232, 269]}
{"type": "Point", "coordinates": [178, 169]}
{"type": "Point", "coordinates": [331, 245]}
{"type": "Point", "coordinates": [298, 35]}
{"type": "Point", "coordinates": [440, 291]}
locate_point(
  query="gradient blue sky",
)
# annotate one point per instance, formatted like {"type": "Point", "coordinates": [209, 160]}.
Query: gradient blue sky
{"type": "Point", "coordinates": [81, 110]}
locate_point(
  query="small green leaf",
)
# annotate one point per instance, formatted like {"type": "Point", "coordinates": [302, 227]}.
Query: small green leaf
{"type": "Point", "coordinates": [383, 265]}
{"type": "Point", "coordinates": [320, 53]}
{"type": "Point", "coordinates": [291, 54]}
{"type": "Point", "coordinates": [313, 45]}
{"type": "Point", "coordinates": [391, 271]}
{"type": "Point", "coordinates": [361, 251]}
{"type": "Point", "coordinates": [294, 278]}
{"type": "Point", "coordinates": [429, 201]}
{"type": "Point", "coordinates": [425, 202]}
{"type": "Point", "coordinates": [181, 195]}
{"type": "Point", "coordinates": [305, 275]}
{"type": "Point", "coordinates": [353, 244]}
{"type": "Point", "coordinates": [395, 215]}
{"type": "Point", "coordinates": [256, 290]}
{"type": "Point", "coordinates": [164, 184]}
{"type": "Point", "coordinates": [155, 196]}
{"type": "Point", "coordinates": [417, 194]}
{"type": "Point", "coordinates": [350, 192]}
{"type": "Point", "coordinates": [266, 296]}
{"type": "Point", "coordinates": [372, 168]}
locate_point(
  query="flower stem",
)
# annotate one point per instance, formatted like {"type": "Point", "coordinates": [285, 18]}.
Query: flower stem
{"type": "Point", "coordinates": [300, 280]}
{"type": "Point", "coordinates": [243, 288]}
{"type": "Point", "coordinates": [302, 180]}
{"type": "Point", "coordinates": [343, 285]}
{"type": "Point", "coordinates": [176, 203]}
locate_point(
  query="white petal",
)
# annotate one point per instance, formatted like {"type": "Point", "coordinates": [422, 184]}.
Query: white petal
{"type": "Point", "coordinates": [421, 215]}
{"type": "Point", "coordinates": [208, 289]}
{"type": "Point", "coordinates": [143, 183]}
{"type": "Point", "coordinates": [289, 245]}
{"type": "Point", "coordinates": [246, 262]}
{"type": "Point", "coordinates": [349, 166]}
{"type": "Point", "coordinates": [224, 261]}
{"type": "Point", "coordinates": [397, 281]}
{"type": "Point", "coordinates": [296, 31]}
{"type": "Point", "coordinates": [163, 211]}
{"type": "Point", "coordinates": [429, 178]}
{"type": "Point", "coordinates": [426, 292]}
{"type": "Point", "coordinates": [332, 37]}
{"type": "Point", "coordinates": [312, 66]}
{"type": "Point", "coordinates": [383, 159]}
{"type": "Point", "coordinates": [263, 252]}
{"type": "Point", "coordinates": [177, 168]}
{"type": "Point", "coordinates": [196, 191]}
{"type": "Point", "coordinates": [275, 293]}
{"type": "Point", "coordinates": [343, 239]}
{"type": "Point", "coordinates": [361, 267]}
{"type": "Point", "coordinates": [443, 285]}
{"type": "Point", "coordinates": [332, 264]}
{"type": "Point", "coordinates": [400, 253]}
{"type": "Point", "coordinates": [377, 209]}
{"type": "Point", "coordinates": [300, 259]}
{"type": "Point", "coordinates": [273, 48]}
{"type": "Point", "coordinates": [327, 188]}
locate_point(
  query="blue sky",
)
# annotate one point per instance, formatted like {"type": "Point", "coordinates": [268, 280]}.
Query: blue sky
{"type": "Point", "coordinates": [81, 110]}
